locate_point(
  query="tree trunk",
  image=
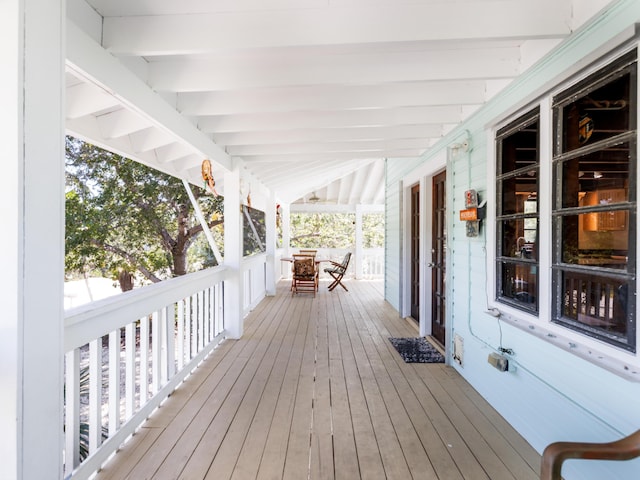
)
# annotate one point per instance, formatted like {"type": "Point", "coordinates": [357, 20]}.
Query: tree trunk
{"type": "Point", "coordinates": [125, 279]}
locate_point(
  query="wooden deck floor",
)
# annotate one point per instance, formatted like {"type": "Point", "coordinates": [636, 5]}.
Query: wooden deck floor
{"type": "Point", "coordinates": [315, 390]}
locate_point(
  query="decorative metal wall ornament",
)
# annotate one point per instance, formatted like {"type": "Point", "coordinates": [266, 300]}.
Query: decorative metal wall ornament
{"type": "Point", "coordinates": [207, 176]}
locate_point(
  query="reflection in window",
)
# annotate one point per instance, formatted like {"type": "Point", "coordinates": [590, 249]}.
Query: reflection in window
{"type": "Point", "coordinates": [517, 213]}
{"type": "Point", "coordinates": [594, 206]}
{"type": "Point", "coordinates": [254, 231]}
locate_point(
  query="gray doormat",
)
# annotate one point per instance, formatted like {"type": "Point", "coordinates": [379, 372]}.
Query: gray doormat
{"type": "Point", "coordinates": [416, 350]}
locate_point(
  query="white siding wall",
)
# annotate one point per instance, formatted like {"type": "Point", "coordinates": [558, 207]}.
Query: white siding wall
{"type": "Point", "coordinates": [553, 394]}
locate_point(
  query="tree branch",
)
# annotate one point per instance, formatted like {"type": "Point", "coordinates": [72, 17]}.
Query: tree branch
{"type": "Point", "coordinates": [129, 258]}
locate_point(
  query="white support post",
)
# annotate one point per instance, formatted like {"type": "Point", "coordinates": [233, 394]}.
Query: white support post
{"type": "Point", "coordinates": [358, 251]}
{"type": "Point", "coordinates": [286, 229]}
{"type": "Point", "coordinates": [270, 219]}
{"type": "Point", "coordinates": [233, 254]}
{"type": "Point", "coordinates": [32, 244]}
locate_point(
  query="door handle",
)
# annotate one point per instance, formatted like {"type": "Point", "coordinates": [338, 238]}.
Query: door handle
{"type": "Point", "coordinates": [431, 265]}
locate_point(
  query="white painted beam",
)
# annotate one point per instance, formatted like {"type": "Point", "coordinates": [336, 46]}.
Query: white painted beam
{"type": "Point", "coordinates": [346, 118]}
{"type": "Point", "coordinates": [121, 122]}
{"type": "Point", "coordinates": [150, 139]}
{"type": "Point", "coordinates": [335, 24]}
{"type": "Point", "coordinates": [91, 61]}
{"type": "Point", "coordinates": [84, 99]}
{"type": "Point", "coordinates": [338, 156]}
{"type": "Point", "coordinates": [332, 97]}
{"type": "Point", "coordinates": [328, 147]}
{"type": "Point", "coordinates": [303, 68]}
{"type": "Point", "coordinates": [420, 130]}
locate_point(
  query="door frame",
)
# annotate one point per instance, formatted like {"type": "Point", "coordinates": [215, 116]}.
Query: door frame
{"type": "Point", "coordinates": [424, 176]}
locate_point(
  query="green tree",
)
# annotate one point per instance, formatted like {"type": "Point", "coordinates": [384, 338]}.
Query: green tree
{"type": "Point", "coordinates": [322, 230]}
{"type": "Point", "coordinates": [123, 217]}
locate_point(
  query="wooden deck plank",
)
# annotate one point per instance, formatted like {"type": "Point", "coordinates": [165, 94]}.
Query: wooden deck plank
{"type": "Point", "coordinates": [176, 444]}
{"type": "Point", "coordinates": [207, 448]}
{"type": "Point", "coordinates": [274, 455]}
{"type": "Point", "coordinates": [315, 390]}
{"type": "Point", "coordinates": [368, 453]}
{"type": "Point", "coordinates": [248, 459]}
{"type": "Point", "coordinates": [393, 458]}
{"type": "Point", "coordinates": [297, 458]}
{"type": "Point", "coordinates": [130, 454]}
{"type": "Point", "coordinates": [225, 459]}
{"type": "Point", "coordinates": [345, 455]}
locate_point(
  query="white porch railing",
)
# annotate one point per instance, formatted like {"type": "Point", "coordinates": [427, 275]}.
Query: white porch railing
{"type": "Point", "coordinates": [372, 262]}
{"type": "Point", "coordinates": [254, 277]}
{"type": "Point", "coordinates": [126, 354]}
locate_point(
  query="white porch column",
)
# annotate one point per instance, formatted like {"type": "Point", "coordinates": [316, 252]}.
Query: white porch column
{"type": "Point", "coordinates": [32, 240]}
{"type": "Point", "coordinates": [286, 238]}
{"type": "Point", "coordinates": [272, 268]}
{"type": "Point", "coordinates": [233, 295]}
{"type": "Point", "coordinates": [359, 253]}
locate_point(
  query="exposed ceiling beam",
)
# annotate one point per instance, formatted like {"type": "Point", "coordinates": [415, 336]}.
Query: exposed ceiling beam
{"type": "Point", "coordinates": [332, 97]}
{"type": "Point", "coordinates": [340, 119]}
{"type": "Point", "coordinates": [86, 58]}
{"type": "Point", "coordinates": [147, 35]}
{"type": "Point", "coordinates": [301, 67]}
{"type": "Point", "coordinates": [419, 130]}
{"type": "Point", "coordinates": [330, 147]}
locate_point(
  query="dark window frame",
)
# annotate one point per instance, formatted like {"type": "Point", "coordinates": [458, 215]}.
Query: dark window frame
{"type": "Point", "coordinates": [568, 278]}
{"type": "Point", "coordinates": [510, 263]}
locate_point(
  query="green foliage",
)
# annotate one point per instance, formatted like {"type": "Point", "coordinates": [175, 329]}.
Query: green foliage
{"type": "Point", "coordinates": [322, 230]}
{"type": "Point", "coordinates": [335, 230]}
{"type": "Point", "coordinates": [373, 230]}
{"type": "Point", "coordinates": [122, 215]}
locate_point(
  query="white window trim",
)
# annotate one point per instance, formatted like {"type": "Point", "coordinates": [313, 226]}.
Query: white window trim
{"type": "Point", "coordinates": [614, 359]}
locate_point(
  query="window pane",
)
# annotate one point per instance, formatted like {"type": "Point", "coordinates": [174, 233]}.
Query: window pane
{"type": "Point", "coordinates": [597, 303]}
{"type": "Point", "coordinates": [519, 284]}
{"type": "Point", "coordinates": [519, 150]}
{"type": "Point", "coordinates": [518, 241]}
{"type": "Point", "coordinates": [519, 194]}
{"type": "Point", "coordinates": [599, 178]}
{"type": "Point", "coordinates": [585, 243]}
{"type": "Point", "coordinates": [597, 114]}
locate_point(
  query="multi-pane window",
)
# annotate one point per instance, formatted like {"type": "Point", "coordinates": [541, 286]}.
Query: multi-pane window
{"type": "Point", "coordinates": [518, 171]}
{"type": "Point", "coordinates": [594, 205]}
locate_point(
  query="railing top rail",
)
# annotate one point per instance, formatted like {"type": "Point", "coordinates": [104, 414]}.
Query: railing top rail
{"type": "Point", "coordinates": [114, 312]}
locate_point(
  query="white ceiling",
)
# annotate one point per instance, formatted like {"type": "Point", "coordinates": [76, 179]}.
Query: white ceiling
{"type": "Point", "coordinates": [306, 95]}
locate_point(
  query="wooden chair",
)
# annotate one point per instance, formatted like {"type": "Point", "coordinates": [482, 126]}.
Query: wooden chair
{"type": "Point", "coordinates": [337, 271]}
{"type": "Point", "coordinates": [305, 277]}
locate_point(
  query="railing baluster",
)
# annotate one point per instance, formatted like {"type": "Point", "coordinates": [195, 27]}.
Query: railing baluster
{"type": "Point", "coordinates": [170, 321]}
{"type": "Point", "coordinates": [130, 370]}
{"type": "Point", "coordinates": [187, 327]}
{"type": "Point", "coordinates": [193, 321]}
{"type": "Point", "coordinates": [72, 410]}
{"type": "Point", "coordinates": [95, 394]}
{"type": "Point", "coordinates": [144, 360]}
{"type": "Point", "coordinates": [207, 315]}
{"type": "Point", "coordinates": [114, 382]}
{"type": "Point", "coordinates": [155, 353]}
{"type": "Point", "coordinates": [181, 337]}
{"type": "Point", "coordinates": [220, 316]}
{"type": "Point", "coordinates": [200, 320]}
